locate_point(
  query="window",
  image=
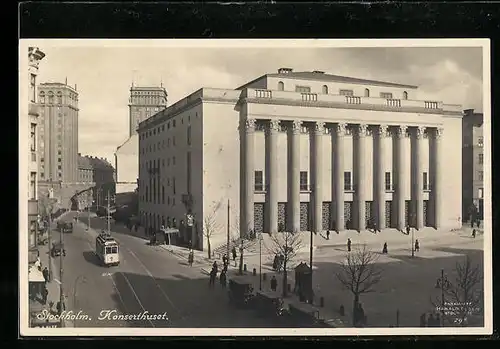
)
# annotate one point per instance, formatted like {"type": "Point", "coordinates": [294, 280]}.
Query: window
{"type": "Point", "coordinates": [386, 95]}
{"type": "Point", "coordinates": [481, 175]}
{"type": "Point", "coordinates": [367, 92]}
{"type": "Point", "coordinates": [426, 181]}
{"type": "Point", "coordinates": [173, 160]}
{"type": "Point", "coordinates": [324, 89]}
{"type": "Point", "coordinates": [59, 98]}
{"type": "Point", "coordinates": [346, 92]}
{"type": "Point", "coordinates": [480, 158]}
{"type": "Point", "coordinates": [162, 194]}
{"type": "Point", "coordinates": [173, 123]}
{"type": "Point", "coordinates": [33, 137]}
{"type": "Point", "coordinates": [189, 135]}
{"type": "Point", "coordinates": [281, 86]}
{"type": "Point", "coordinates": [480, 141]}
{"type": "Point", "coordinates": [347, 181]}
{"type": "Point", "coordinates": [32, 186]}
{"type": "Point", "coordinates": [304, 185]}
{"type": "Point", "coordinates": [259, 181]}
{"type": "Point", "coordinates": [173, 141]}
{"type": "Point", "coordinates": [388, 185]}
{"type": "Point", "coordinates": [303, 89]}
{"type": "Point", "coordinates": [405, 95]}
{"type": "Point", "coordinates": [173, 185]}
{"type": "Point", "coordinates": [33, 88]}
{"type": "Point", "coordinates": [42, 97]}
{"type": "Point", "coordinates": [480, 193]}
{"type": "Point", "coordinates": [51, 98]}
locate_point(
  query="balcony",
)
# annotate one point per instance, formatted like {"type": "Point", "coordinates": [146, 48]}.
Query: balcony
{"type": "Point", "coordinates": [33, 109]}
{"type": "Point", "coordinates": [32, 207]}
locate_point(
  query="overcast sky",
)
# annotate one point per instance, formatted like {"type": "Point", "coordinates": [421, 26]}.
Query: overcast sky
{"type": "Point", "coordinates": [104, 75]}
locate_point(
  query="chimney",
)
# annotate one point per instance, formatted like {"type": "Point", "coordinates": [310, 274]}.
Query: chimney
{"type": "Point", "coordinates": [285, 70]}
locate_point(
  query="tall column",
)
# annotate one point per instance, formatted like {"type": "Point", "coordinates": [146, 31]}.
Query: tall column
{"type": "Point", "coordinates": [380, 196]}
{"type": "Point", "coordinates": [339, 176]}
{"type": "Point", "coordinates": [437, 187]}
{"type": "Point", "coordinates": [401, 176]}
{"type": "Point", "coordinates": [247, 202]}
{"type": "Point", "coordinates": [273, 174]}
{"type": "Point", "coordinates": [419, 182]}
{"type": "Point", "coordinates": [361, 176]}
{"type": "Point", "coordinates": [294, 177]}
{"type": "Point", "coordinates": [319, 130]}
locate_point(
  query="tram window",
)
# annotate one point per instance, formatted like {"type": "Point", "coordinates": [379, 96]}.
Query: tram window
{"type": "Point", "coordinates": [114, 249]}
{"type": "Point", "coordinates": [108, 250]}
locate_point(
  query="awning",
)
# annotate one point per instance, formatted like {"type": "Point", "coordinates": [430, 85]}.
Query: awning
{"type": "Point", "coordinates": [170, 231]}
{"type": "Point", "coordinates": [35, 275]}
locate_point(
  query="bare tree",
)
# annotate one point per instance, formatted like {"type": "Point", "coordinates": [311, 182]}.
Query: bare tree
{"type": "Point", "coordinates": [359, 274]}
{"type": "Point", "coordinates": [462, 298]}
{"type": "Point", "coordinates": [286, 244]}
{"type": "Point", "coordinates": [210, 225]}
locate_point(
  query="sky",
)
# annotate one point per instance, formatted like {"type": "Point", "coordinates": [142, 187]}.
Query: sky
{"type": "Point", "coordinates": [103, 75]}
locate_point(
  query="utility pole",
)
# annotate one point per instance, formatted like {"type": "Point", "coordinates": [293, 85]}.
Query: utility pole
{"type": "Point", "coordinates": [228, 222]}
{"type": "Point", "coordinates": [442, 297]}
{"type": "Point", "coordinates": [107, 216]}
{"type": "Point", "coordinates": [260, 261]}
{"type": "Point", "coordinates": [49, 231]}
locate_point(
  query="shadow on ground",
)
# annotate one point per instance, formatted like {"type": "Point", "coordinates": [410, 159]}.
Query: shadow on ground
{"type": "Point", "coordinates": [91, 257]}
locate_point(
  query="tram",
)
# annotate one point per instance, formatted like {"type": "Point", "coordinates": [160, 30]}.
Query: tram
{"type": "Point", "coordinates": [107, 250]}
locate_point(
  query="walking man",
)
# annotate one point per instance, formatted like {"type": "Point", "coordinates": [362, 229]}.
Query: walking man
{"type": "Point", "coordinates": [233, 252]}
{"type": "Point", "coordinates": [417, 245]}
{"type": "Point", "coordinates": [474, 233]}
{"type": "Point", "coordinates": [348, 244]}
{"type": "Point", "coordinates": [274, 283]}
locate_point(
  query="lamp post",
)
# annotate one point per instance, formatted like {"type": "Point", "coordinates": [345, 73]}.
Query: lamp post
{"type": "Point", "coordinates": [412, 228]}
{"type": "Point", "coordinates": [260, 261]}
{"type": "Point", "coordinates": [442, 283]}
{"type": "Point", "coordinates": [49, 231]}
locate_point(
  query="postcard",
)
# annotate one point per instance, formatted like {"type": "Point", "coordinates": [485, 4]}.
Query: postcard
{"type": "Point", "coordinates": [255, 187]}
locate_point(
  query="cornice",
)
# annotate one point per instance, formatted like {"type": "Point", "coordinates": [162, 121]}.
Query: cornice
{"type": "Point", "coordinates": [333, 105]}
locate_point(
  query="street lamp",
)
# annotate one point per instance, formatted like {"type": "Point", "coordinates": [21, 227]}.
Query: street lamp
{"type": "Point", "coordinates": [442, 283]}
{"type": "Point", "coordinates": [412, 236]}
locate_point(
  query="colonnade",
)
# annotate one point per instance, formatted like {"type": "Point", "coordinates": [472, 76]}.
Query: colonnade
{"type": "Point", "coordinates": [338, 133]}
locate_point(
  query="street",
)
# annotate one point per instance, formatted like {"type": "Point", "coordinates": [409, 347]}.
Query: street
{"type": "Point", "coordinates": [148, 279]}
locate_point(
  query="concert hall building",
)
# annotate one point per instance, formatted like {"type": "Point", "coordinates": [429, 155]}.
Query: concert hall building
{"type": "Point", "coordinates": [301, 151]}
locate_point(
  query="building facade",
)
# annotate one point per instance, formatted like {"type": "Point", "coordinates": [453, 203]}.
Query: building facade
{"type": "Point", "coordinates": [301, 151]}
{"type": "Point", "coordinates": [35, 55]}
{"type": "Point", "coordinates": [143, 103]}
{"type": "Point", "coordinates": [85, 175]}
{"type": "Point", "coordinates": [103, 177]}
{"type": "Point", "coordinates": [58, 140]}
{"type": "Point", "coordinates": [472, 164]}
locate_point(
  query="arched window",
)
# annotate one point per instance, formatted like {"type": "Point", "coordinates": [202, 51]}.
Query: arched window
{"type": "Point", "coordinates": [367, 92]}
{"type": "Point", "coordinates": [59, 98]}
{"type": "Point", "coordinates": [405, 95]}
{"type": "Point", "coordinates": [42, 97]}
{"type": "Point", "coordinates": [325, 89]}
{"type": "Point", "coordinates": [51, 98]}
{"type": "Point", "coordinates": [281, 86]}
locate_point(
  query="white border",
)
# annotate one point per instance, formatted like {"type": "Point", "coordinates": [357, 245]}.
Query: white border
{"type": "Point", "coordinates": [261, 43]}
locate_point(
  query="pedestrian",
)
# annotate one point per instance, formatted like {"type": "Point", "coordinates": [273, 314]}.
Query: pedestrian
{"type": "Point", "coordinates": [431, 321]}
{"type": "Point", "coordinates": [474, 233]}
{"type": "Point", "coordinates": [328, 234]}
{"type": "Point", "coordinates": [384, 249]}
{"type": "Point", "coordinates": [215, 267]}
{"type": "Point", "coordinates": [275, 262]}
{"type": "Point", "coordinates": [478, 223]}
{"type": "Point", "coordinates": [472, 222]}
{"type": "Point", "coordinates": [408, 229]}
{"type": "Point", "coordinates": [45, 274]}
{"type": "Point", "coordinates": [348, 244]}
{"type": "Point", "coordinates": [225, 261]}
{"type": "Point", "coordinates": [233, 252]}
{"type": "Point", "coordinates": [417, 245]}
{"type": "Point", "coordinates": [45, 294]}
{"type": "Point", "coordinates": [423, 320]}
{"type": "Point", "coordinates": [213, 275]}
{"type": "Point", "coordinates": [274, 283]}
{"type": "Point", "coordinates": [223, 279]}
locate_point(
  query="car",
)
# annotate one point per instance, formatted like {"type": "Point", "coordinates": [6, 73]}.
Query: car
{"type": "Point", "coordinates": [57, 249]}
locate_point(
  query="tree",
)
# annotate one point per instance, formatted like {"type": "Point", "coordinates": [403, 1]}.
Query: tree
{"type": "Point", "coordinates": [464, 296]}
{"type": "Point", "coordinates": [286, 244]}
{"type": "Point", "coordinates": [210, 225]}
{"type": "Point", "coordinates": [359, 274]}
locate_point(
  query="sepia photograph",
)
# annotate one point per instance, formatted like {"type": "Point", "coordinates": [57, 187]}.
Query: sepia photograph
{"type": "Point", "coordinates": [255, 187]}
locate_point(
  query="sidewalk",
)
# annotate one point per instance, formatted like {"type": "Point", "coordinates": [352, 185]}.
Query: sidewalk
{"type": "Point", "coordinates": [54, 285]}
